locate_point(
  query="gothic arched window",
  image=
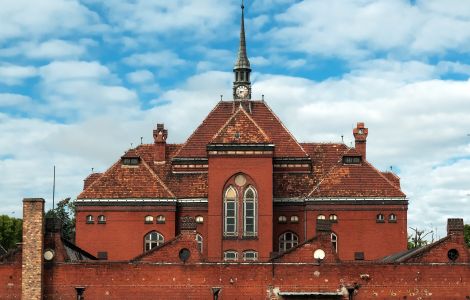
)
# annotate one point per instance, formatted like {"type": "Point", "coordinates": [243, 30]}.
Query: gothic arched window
{"type": "Point", "coordinates": [230, 211]}
{"type": "Point", "coordinates": [249, 212]}
{"type": "Point", "coordinates": [199, 241]}
{"type": "Point", "coordinates": [153, 239]}
{"type": "Point", "coordinates": [334, 241]}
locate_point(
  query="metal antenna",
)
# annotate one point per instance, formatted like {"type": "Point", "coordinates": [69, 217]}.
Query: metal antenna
{"type": "Point", "coordinates": [53, 191]}
{"type": "Point", "coordinates": [132, 145]}
{"type": "Point", "coordinates": [262, 97]}
{"type": "Point", "coordinates": [141, 140]}
{"type": "Point", "coordinates": [342, 139]}
{"type": "Point", "coordinates": [391, 168]}
{"type": "Point", "coordinates": [221, 97]}
{"type": "Point", "coordinates": [92, 170]}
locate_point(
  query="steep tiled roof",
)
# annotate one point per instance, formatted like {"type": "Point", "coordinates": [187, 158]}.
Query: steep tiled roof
{"type": "Point", "coordinates": [240, 128]}
{"type": "Point", "coordinates": [122, 181]}
{"type": "Point", "coordinates": [261, 114]}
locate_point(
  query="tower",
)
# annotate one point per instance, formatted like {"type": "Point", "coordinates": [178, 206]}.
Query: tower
{"type": "Point", "coordinates": [242, 70]}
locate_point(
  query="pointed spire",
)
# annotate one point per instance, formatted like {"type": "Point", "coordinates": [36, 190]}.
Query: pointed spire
{"type": "Point", "coordinates": [242, 59]}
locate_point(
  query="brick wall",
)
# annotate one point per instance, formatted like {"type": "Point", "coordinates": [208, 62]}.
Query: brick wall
{"type": "Point", "coordinates": [33, 248]}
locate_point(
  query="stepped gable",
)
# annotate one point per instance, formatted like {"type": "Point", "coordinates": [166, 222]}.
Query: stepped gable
{"type": "Point", "coordinates": [355, 180]}
{"type": "Point", "coordinates": [240, 129]}
{"type": "Point", "coordinates": [123, 181]}
{"type": "Point", "coordinates": [261, 114]}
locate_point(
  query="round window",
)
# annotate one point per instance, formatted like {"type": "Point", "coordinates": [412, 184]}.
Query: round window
{"type": "Point", "coordinates": [240, 180]}
{"type": "Point", "coordinates": [453, 254]}
{"type": "Point", "coordinates": [184, 254]}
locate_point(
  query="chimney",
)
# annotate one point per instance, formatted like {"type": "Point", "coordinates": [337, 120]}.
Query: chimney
{"type": "Point", "coordinates": [360, 137]}
{"type": "Point", "coordinates": [33, 248]}
{"type": "Point", "coordinates": [159, 136]}
{"type": "Point", "coordinates": [455, 226]}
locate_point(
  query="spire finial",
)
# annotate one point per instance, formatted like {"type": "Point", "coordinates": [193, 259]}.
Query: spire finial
{"type": "Point", "coordinates": [242, 70]}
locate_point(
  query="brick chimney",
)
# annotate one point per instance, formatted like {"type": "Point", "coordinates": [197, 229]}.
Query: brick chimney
{"type": "Point", "coordinates": [455, 226]}
{"type": "Point", "coordinates": [159, 136]}
{"type": "Point", "coordinates": [33, 248]}
{"type": "Point", "coordinates": [360, 136]}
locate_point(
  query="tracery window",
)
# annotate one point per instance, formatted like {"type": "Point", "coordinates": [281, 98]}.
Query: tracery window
{"type": "Point", "coordinates": [153, 239]}
{"type": "Point", "coordinates": [288, 240]}
{"type": "Point", "coordinates": [240, 208]}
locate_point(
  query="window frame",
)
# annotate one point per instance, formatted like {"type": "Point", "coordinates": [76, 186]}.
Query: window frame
{"type": "Point", "coordinates": [200, 242]}
{"type": "Point", "coordinates": [254, 202]}
{"type": "Point", "coordinates": [160, 240]}
{"type": "Point", "coordinates": [284, 242]}
{"type": "Point", "coordinates": [148, 219]}
{"type": "Point", "coordinates": [235, 253]}
{"type": "Point", "coordinates": [334, 241]}
{"type": "Point", "coordinates": [392, 218]}
{"type": "Point", "coordinates": [294, 219]}
{"type": "Point", "coordinates": [333, 218]}
{"type": "Point", "coordinates": [89, 219]}
{"type": "Point", "coordinates": [101, 219]}
{"type": "Point", "coordinates": [160, 219]}
{"type": "Point", "coordinates": [254, 258]}
{"type": "Point", "coordinates": [282, 219]}
{"type": "Point", "coordinates": [380, 218]}
{"type": "Point", "coordinates": [321, 217]}
{"type": "Point", "coordinates": [233, 201]}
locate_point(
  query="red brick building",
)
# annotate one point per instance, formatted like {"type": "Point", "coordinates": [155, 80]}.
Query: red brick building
{"type": "Point", "coordinates": [241, 210]}
{"type": "Point", "coordinates": [253, 189]}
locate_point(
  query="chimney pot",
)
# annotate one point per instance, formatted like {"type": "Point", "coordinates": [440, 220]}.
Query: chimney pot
{"type": "Point", "coordinates": [360, 136]}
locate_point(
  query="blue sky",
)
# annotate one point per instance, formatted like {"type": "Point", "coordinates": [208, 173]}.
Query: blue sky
{"type": "Point", "coordinates": [82, 80]}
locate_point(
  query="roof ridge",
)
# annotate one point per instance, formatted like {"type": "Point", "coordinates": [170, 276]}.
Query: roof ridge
{"type": "Point", "coordinates": [240, 108]}
{"type": "Point", "coordinates": [158, 178]}
{"type": "Point", "coordinates": [285, 128]}
{"type": "Point", "coordinates": [383, 176]}
{"type": "Point", "coordinates": [328, 173]}
{"type": "Point", "coordinates": [420, 250]}
{"type": "Point", "coordinates": [197, 128]}
{"type": "Point", "coordinates": [99, 178]}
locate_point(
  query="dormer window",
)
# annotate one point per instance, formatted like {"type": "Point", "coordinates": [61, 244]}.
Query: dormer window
{"type": "Point", "coordinates": [351, 160]}
{"type": "Point", "coordinates": [130, 161]}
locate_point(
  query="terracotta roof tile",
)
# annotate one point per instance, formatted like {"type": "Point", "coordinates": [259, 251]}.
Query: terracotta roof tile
{"type": "Point", "coordinates": [240, 128]}
{"type": "Point", "coordinates": [285, 143]}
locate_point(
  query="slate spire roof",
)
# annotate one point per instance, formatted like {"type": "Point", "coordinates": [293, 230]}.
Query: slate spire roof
{"type": "Point", "coordinates": [242, 58]}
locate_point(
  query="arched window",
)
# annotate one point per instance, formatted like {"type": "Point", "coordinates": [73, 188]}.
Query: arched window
{"type": "Point", "coordinates": [380, 218]}
{"type": "Point", "coordinates": [333, 218]}
{"type": "Point", "coordinates": [288, 240]}
{"type": "Point", "coordinates": [161, 219]}
{"type": "Point", "coordinates": [230, 255]}
{"type": "Point", "coordinates": [250, 255]}
{"type": "Point", "coordinates": [294, 219]}
{"type": "Point", "coordinates": [89, 219]}
{"type": "Point", "coordinates": [282, 219]}
{"type": "Point", "coordinates": [321, 217]}
{"type": "Point", "coordinates": [230, 212]}
{"type": "Point", "coordinates": [392, 218]}
{"type": "Point", "coordinates": [334, 241]}
{"type": "Point", "coordinates": [249, 212]}
{"type": "Point", "coordinates": [101, 219]}
{"type": "Point", "coordinates": [199, 219]}
{"type": "Point", "coordinates": [148, 220]}
{"type": "Point", "coordinates": [153, 239]}
{"type": "Point", "coordinates": [199, 241]}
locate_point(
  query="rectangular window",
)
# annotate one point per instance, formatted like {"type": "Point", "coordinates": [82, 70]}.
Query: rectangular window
{"type": "Point", "coordinates": [250, 256]}
{"type": "Point", "coordinates": [352, 160]}
{"type": "Point", "coordinates": [230, 255]}
{"type": "Point", "coordinates": [230, 218]}
{"type": "Point", "coordinates": [359, 255]}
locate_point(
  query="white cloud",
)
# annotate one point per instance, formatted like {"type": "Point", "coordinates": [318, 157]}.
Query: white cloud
{"type": "Point", "coordinates": [29, 19]}
{"type": "Point", "coordinates": [56, 49]}
{"type": "Point", "coordinates": [14, 100]}
{"type": "Point", "coordinates": [353, 29]}
{"type": "Point", "coordinates": [73, 70]}
{"type": "Point", "coordinates": [140, 77]}
{"type": "Point", "coordinates": [14, 74]}
{"type": "Point", "coordinates": [164, 59]}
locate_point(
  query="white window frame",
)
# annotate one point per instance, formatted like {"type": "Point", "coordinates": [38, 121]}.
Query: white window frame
{"type": "Point", "coordinates": [321, 217]}
{"type": "Point", "coordinates": [334, 241]}
{"type": "Point", "coordinates": [283, 242]}
{"type": "Point", "coordinates": [200, 242]}
{"type": "Point", "coordinates": [101, 219]}
{"type": "Point", "coordinates": [90, 219]}
{"type": "Point", "coordinates": [148, 219]}
{"type": "Point", "coordinates": [199, 219]}
{"type": "Point", "coordinates": [161, 219]}
{"type": "Point", "coordinates": [294, 219]}
{"type": "Point", "coordinates": [226, 253]}
{"type": "Point", "coordinates": [250, 252]}
{"type": "Point", "coordinates": [235, 212]}
{"type": "Point", "coordinates": [160, 240]}
{"type": "Point", "coordinates": [255, 211]}
{"type": "Point", "coordinates": [282, 219]}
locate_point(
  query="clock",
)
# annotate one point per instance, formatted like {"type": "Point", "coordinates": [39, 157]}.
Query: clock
{"type": "Point", "coordinates": [242, 92]}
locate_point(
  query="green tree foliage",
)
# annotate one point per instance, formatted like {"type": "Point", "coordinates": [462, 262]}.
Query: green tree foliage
{"type": "Point", "coordinates": [65, 213]}
{"type": "Point", "coordinates": [466, 232]}
{"type": "Point", "coordinates": [10, 231]}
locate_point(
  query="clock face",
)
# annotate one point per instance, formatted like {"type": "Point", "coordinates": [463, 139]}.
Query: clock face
{"type": "Point", "coordinates": [242, 92]}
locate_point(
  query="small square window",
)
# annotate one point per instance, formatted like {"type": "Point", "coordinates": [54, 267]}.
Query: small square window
{"type": "Point", "coordinates": [359, 255]}
{"type": "Point", "coordinates": [103, 255]}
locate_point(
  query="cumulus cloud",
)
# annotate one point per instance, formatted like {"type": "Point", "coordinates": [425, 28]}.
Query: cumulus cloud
{"type": "Point", "coordinates": [353, 29]}
{"type": "Point", "coordinates": [165, 59]}
{"type": "Point", "coordinates": [13, 74]}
